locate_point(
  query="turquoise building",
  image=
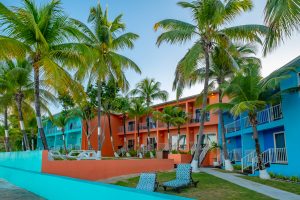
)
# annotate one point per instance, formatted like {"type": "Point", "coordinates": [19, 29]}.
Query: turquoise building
{"type": "Point", "coordinates": [279, 132]}
{"type": "Point", "coordinates": [73, 135]}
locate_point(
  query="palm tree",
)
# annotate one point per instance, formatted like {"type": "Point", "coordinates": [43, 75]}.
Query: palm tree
{"type": "Point", "coordinates": [180, 118]}
{"type": "Point", "coordinates": [167, 116]}
{"type": "Point", "coordinates": [61, 121]}
{"type": "Point", "coordinates": [41, 33]}
{"type": "Point", "coordinates": [109, 104]}
{"type": "Point", "coordinates": [283, 18]}
{"type": "Point", "coordinates": [122, 107]}
{"type": "Point", "coordinates": [211, 19]}
{"type": "Point", "coordinates": [104, 41]}
{"type": "Point", "coordinates": [249, 93]}
{"type": "Point", "coordinates": [137, 110]}
{"type": "Point", "coordinates": [149, 89]}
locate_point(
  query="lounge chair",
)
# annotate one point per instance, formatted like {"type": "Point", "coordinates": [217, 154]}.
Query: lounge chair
{"type": "Point", "coordinates": [147, 182]}
{"type": "Point", "coordinates": [55, 155]}
{"type": "Point", "coordinates": [183, 178]}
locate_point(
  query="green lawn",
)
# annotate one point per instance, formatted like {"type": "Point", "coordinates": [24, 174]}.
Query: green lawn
{"type": "Point", "coordinates": [209, 187]}
{"type": "Point", "coordinates": [290, 187]}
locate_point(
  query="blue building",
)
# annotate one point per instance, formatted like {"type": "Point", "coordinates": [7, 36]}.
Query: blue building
{"type": "Point", "coordinates": [73, 135]}
{"type": "Point", "coordinates": [279, 132]}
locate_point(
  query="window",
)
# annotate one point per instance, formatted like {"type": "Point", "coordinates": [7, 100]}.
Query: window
{"type": "Point", "coordinates": [130, 144]}
{"type": "Point", "coordinates": [198, 115]}
{"type": "Point", "coordinates": [298, 79]}
{"type": "Point", "coordinates": [207, 138]}
{"type": "Point", "coordinates": [182, 142]}
{"type": "Point", "coordinates": [131, 125]}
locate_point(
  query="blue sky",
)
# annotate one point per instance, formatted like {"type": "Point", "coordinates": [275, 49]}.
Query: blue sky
{"type": "Point", "coordinates": [160, 63]}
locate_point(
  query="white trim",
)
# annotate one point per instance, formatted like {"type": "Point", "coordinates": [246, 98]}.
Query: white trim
{"type": "Point", "coordinates": [6, 133]}
{"type": "Point", "coordinates": [274, 140]}
{"type": "Point", "coordinates": [22, 127]}
{"type": "Point", "coordinates": [39, 122]}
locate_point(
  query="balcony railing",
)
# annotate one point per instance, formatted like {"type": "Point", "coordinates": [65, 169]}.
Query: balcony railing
{"type": "Point", "coordinates": [55, 130]}
{"type": "Point", "coordinates": [265, 116]}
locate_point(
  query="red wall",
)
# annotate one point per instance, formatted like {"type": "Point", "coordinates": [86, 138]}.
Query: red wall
{"type": "Point", "coordinates": [107, 146]}
{"type": "Point", "coordinates": [103, 169]}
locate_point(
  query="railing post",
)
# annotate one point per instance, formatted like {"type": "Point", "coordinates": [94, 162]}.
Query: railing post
{"type": "Point", "coordinates": [253, 165]}
{"type": "Point", "coordinates": [270, 156]}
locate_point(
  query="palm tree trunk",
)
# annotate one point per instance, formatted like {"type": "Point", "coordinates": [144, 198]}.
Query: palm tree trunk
{"type": "Point", "coordinates": [178, 135]}
{"type": "Point", "coordinates": [88, 137]}
{"type": "Point", "coordinates": [221, 119]}
{"type": "Point", "coordinates": [19, 98]}
{"type": "Point", "coordinates": [37, 102]}
{"type": "Point", "coordinates": [99, 116]}
{"type": "Point", "coordinates": [6, 138]}
{"type": "Point", "coordinates": [256, 140]}
{"type": "Point", "coordinates": [124, 130]}
{"type": "Point", "coordinates": [204, 103]}
{"type": "Point", "coordinates": [138, 134]}
{"type": "Point", "coordinates": [64, 141]}
{"type": "Point", "coordinates": [148, 131]}
{"type": "Point", "coordinates": [110, 133]}
{"type": "Point", "coordinates": [32, 139]}
{"type": "Point", "coordinates": [169, 142]}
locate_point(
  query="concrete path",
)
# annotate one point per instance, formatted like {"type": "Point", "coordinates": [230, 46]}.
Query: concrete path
{"type": "Point", "coordinates": [257, 187]}
{"type": "Point", "coordinates": [11, 192]}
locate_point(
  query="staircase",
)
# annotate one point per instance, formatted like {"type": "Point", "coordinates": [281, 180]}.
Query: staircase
{"type": "Point", "coordinates": [203, 153]}
{"type": "Point", "coordinates": [268, 157]}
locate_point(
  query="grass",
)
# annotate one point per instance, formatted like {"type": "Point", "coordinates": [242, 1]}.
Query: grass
{"type": "Point", "coordinates": [209, 187]}
{"type": "Point", "coordinates": [289, 187]}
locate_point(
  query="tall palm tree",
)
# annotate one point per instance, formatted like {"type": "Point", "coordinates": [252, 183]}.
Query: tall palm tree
{"type": "Point", "coordinates": [283, 18]}
{"type": "Point", "coordinates": [122, 107]}
{"type": "Point", "coordinates": [211, 28]}
{"type": "Point", "coordinates": [137, 110]}
{"type": "Point", "coordinates": [167, 116]}
{"type": "Point", "coordinates": [41, 33]}
{"type": "Point", "coordinates": [149, 89]}
{"type": "Point", "coordinates": [20, 87]}
{"type": "Point", "coordinates": [104, 41]}
{"type": "Point", "coordinates": [61, 121]}
{"type": "Point", "coordinates": [249, 93]}
{"type": "Point", "coordinates": [180, 118]}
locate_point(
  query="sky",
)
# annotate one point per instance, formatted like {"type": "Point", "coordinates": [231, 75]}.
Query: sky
{"type": "Point", "coordinates": [160, 63]}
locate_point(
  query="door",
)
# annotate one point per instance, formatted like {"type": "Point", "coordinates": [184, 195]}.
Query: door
{"type": "Point", "coordinates": [131, 125]}
{"type": "Point", "coordinates": [130, 144]}
{"type": "Point", "coordinates": [280, 155]}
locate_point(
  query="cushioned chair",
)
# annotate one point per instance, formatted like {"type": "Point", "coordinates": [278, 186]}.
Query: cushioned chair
{"type": "Point", "coordinates": [183, 178]}
{"type": "Point", "coordinates": [147, 182]}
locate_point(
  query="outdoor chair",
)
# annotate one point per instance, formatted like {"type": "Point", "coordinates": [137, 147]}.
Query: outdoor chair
{"type": "Point", "coordinates": [53, 154]}
{"type": "Point", "coordinates": [183, 178]}
{"type": "Point", "coordinates": [147, 182]}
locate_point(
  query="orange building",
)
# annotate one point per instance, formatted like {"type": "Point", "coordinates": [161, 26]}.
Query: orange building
{"type": "Point", "coordinates": [158, 130]}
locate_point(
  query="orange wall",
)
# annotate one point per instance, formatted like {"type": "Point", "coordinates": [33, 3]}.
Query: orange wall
{"type": "Point", "coordinates": [103, 169]}
{"type": "Point", "coordinates": [107, 146]}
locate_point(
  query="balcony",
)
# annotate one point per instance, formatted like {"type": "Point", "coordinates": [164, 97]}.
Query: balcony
{"type": "Point", "coordinates": [56, 130]}
{"type": "Point", "coordinates": [263, 117]}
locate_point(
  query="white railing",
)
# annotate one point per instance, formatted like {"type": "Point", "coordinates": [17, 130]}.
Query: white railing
{"type": "Point", "coordinates": [247, 160]}
{"type": "Point", "coordinates": [265, 116]}
{"type": "Point", "coordinates": [269, 156]}
{"type": "Point", "coordinates": [205, 149]}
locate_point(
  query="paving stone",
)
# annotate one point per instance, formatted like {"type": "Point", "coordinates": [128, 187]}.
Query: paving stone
{"type": "Point", "coordinates": [9, 191]}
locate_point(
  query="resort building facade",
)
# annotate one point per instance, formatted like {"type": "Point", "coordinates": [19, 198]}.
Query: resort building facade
{"type": "Point", "coordinates": [279, 132]}
{"type": "Point", "coordinates": [76, 138]}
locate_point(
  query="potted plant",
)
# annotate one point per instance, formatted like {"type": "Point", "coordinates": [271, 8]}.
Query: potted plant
{"type": "Point", "coordinates": [214, 147]}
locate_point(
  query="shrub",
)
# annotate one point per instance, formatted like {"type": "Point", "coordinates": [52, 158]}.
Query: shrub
{"type": "Point", "coordinates": [237, 167]}
{"type": "Point", "coordinates": [132, 152]}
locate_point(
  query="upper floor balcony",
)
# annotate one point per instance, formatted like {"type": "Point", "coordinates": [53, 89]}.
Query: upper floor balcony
{"type": "Point", "coordinates": [265, 116]}
{"type": "Point", "coordinates": [55, 130]}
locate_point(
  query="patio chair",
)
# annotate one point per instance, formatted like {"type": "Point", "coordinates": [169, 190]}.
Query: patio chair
{"type": "Point", "coordinates": [183, 178]}
{"type": "Point", "coordinates": [147, 182]}
{"type": "Point", "coordinates": [53, 154]}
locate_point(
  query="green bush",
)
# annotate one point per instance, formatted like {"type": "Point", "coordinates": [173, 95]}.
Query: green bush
{"type": "Point", "coordinates": [132, 152]}
{"type": "Point", "coordinates": [294, 179]}
{"type": "Point", "coordinates": [237, 167]}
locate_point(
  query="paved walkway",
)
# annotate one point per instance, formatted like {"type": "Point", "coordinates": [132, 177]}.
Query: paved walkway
{"type": "Point", "coordinates": [257, 187]}
{"type": "Point", "coordinates": [11, 192]}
